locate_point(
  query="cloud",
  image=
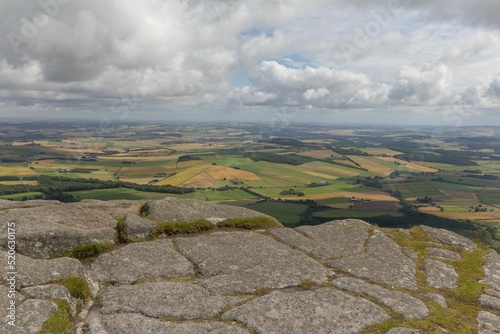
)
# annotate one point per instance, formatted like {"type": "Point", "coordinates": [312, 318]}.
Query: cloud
{"type": "Point", "coordinates": [427, 84]}
{"type": "Point", "coordinates": [320, 87]}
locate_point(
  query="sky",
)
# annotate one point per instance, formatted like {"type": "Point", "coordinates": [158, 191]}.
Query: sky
{"type": "Point", "coordinates": [323, 61]}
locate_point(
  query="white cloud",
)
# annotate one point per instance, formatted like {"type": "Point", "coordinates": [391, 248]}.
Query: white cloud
{"type": "Point", "coordinates": [162, 55]}
{"type": "Point", "coordinates": [427, 84]}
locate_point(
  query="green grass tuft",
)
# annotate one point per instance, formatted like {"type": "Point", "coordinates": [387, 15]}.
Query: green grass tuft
{"type": "Point", "coordinates": [173, 228]}
{"type": "Point", "coordinates": [77, 287]}
{"type": "Point", "coordinates": [86, 251]}
{"type": "Point", "coordinates": [249, 223]}
{"type": "Point", "coordinates": [60, 321]}
{"type": "Point", "coordinates": [121, 236]}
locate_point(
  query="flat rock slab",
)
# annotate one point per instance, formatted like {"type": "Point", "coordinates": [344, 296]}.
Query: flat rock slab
{"type": "Point", "coordinates": [244, 261]}
{"type": "Point", "coordinates": [30, 316]}
{"type": "Point", "coordinates": [45, 231]}
{"type": "Point", "coordinates": [6, 204]}
{"type": "Point", "coordinates": [165, 299]}
{"type": "Point", "coordinates": [35, 271]}
{"type": "Point", "coordinates": [137, 227]}
{"type": "Point", "coordinates": [384, 262]}
{"type": "Point", "coordinates": [144, 260]}
{"type": "Point", "coordinates": [490, 301]}
{"type": "Point", "coordinates": [437, 298]}
{"type": "Point", "coordinates": [332, 239]}
{"type": "Point", "coordinates": [322, 311]}
{"type": "Point", "coordinates": [443, 253]}
{"type": "Point", "coordinates": [493, 293]}
{"type": "Point", "coordinates": [52, 291]}
{"type": "Point", "coordinates": [172, 209]}
{"type": "Point", "coordinates": [114, 208]}
{"type": "Point", "coordinates": [449, 238]}
{"type": "Point", "coordinates": [440, 274]}
{"type": "Point", "coordinates": [139, 324]}
{"type": "Point", "coordinates": [492, 270]}
{"type": "Point", "coordinates": [488, 323]}
{"type": "Point", "coordinates": [409, 307]}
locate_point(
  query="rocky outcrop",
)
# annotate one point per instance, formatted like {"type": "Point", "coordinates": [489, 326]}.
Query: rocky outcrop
{"type": "Point", "coordinates": [172, 209]}
{"type": "Point", "coordinates": [339, 277]}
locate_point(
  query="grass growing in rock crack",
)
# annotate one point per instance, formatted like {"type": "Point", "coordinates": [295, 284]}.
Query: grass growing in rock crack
{"type": "Point", "coordinates": [250, 223]}
{"type": "Point", "coordinates": [173, 228]}
{"type": "Point", "coordinates": [60, 321]}
{"type": "Point", "coordinates": [77, 287]}
{"type": "Point", "coordinates": [463, 302]}
{"type": "Point", "coordinates": [121, 236]}
{"type": "Point", "coordinates": [86, 251]}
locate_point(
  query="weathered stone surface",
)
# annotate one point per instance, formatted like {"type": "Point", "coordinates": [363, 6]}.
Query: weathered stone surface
{"type": "Point", "coordinates": [449, 238]}
{"type": "Point", "coordinates": [139, 324]}
{"type": "Point", "coordinates": [51, 291]}
{"type": "Point", "coordinates": [490, 301]}
{"type": "Point", "coordinates": [137, 227]}
{"type": "Point", "coordinates": [440, 274]}
{"type": "Point", "coordinates": [44, 231]}
{"type": "Point", "coordinates": [34, 271]}
{"type": "Point", "coordinates": [437, 298]}
{"type": "Point", "coordinates": [493, 293]}
{"type": "Point", "coordinates": [492, 270]}
{"type": "Point", "coordinates": [409, 307]}
{"type": "Point", "coordinates": [402, 330]}
{"type": "Point", "coordinates": [172, 209]}
{"type": "Point", "coordinates": [320, 311]}
{"type": "Point", "coordinates": [383, 262]}
{"type": "Point", "coordinates": [245, 261]}
{"type": "Point", "coordinates": [144, 260]}
{"type": "Point", "coordinates": [30, 316]}
{"type": "Point", "coordinates": [332, 239]}
{"type": "Point", "coordinates": [6, 204]}
{"type": "Point", "coordinates": [165, 299]}
{"type": "Point", "coordinates": [443, 253]}
{"type": "Point", "coordinates": [114, 208]}
{"type": "Point", "coordinates": [488, 323]}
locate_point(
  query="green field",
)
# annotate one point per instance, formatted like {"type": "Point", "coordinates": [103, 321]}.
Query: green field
{"type": "Point", "coordinates": [19, 197]}
{"type": "Point", "coordinates": [490, 196]}
{"type": "Point", "coordinates": [116, 193]}
{"type": "Point", "coordinates": [287, 213]}
{"type": "Point", "coordinates": [336, 214]}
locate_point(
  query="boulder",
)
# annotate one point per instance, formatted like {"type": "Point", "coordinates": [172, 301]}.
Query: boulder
{"type": "Point", "coordinates": [440, 274]}
{"type": "Point", "coordinates": [409, 307]}
{"type": "Point", "coordinates": [245, 261]}
{"type": "Point", "coordinates": [165, 299]}
{"type": "Point", "coordinates": [322, 311]}
{"type": "Point", "coordinates": [138, 324]}
{"type": "Point", "coordinates": [443, 253]}
{"type": "Point", "coordinates": [142, 261]}
{"type": "Point", "coordinates": [35, 271]}
{"type": "Point", "coordinates": [489, 323]}
{"type": "Point", "coordinates": [172, 209]}
{"type": "Point", "coordinates": [115, 208]}
{"type": "Point", "coordinates": [30, 316]}
{"type": "Point", "coordinates": [333, 239]}
{"type": "Point", "coordinates": [44, 231]}
{"type": "Point", "coordinates": [137, 227]}
{"type": "Point", "coordinates": [492, 270]}
{"type": "Point", "coordinates": [384, 262]}
{"type": "Point", "coordinates": [490, 302]}
{"type": "Point", "coordinates": [449, 238]}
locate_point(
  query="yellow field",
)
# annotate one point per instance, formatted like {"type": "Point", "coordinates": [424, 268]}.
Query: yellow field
{"type": "Point", "coordinates": [371, 166]}
{"type": "Point", "coordinates": [222, 172]}
{"type": "Point", "coordinates": [185, 175]}
{"type": "Point", "coordinates": [31, 183]}
{"type": "Point", "coordinates": [202, 180]}
{"type": "Point", "coordinates": [380, 151]}
{"type": "Point", "coordinates": [411, 165]}
{"type": "Point", "coordinates": [16, 171]}
{"type": "Point", "coordinates": [321, 154]}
